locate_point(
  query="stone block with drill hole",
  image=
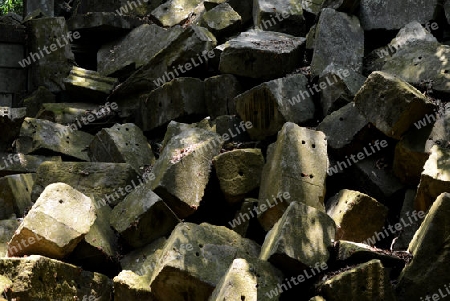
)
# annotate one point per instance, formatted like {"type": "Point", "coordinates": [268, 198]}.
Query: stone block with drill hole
{"type": "Point", "coordinates": [261, 54]}
{"type": "Point", "coordinates": [142, 217]}
{"type": "Point", "coordinates": [279, 16]}
{"type": "Point", "coordinates": [222, 20]}
{"type": "Point", "coordinates": [357, 215]}
{"type": "Point", "coordinates": [347, 130]}
{"type": "Point", "coordinates": [220, 91]}
{"type": "Point", "coordinates": [394, 106]}
{"type": "Point", "coordinates": [366, 282]}
{"type": "Point", "coordinates": [247, 280]}
{"type": "Point", "coordinates": [296, 164]}
{"type": "Point", "coordinates": [339, 39]}
{"type": "Point", "coordinates": [270, 105]}
{"type": "Point", "coordinates": [183, 169]}
{"type": "Point", "coordinates": [345, 84]}
{"type": "Point", "coordinates": [239, 172]}
{"type": "Point", "coordinates": [195, 258]}
{"type": "Point", "coordinates": [21, 163]}
{"type": "Point", "coordinates": [181, 97]}
{"type": "Point", "coordinates": [15, 195]}
{"type": "Point", "coordinates": [99, 249]}
{"type": "Point", "coordinates": [105, 182]}
{"type": "Point", "coordinates": [122, 143]}
{"type": "Point", "coordinates": [299, 239]}
{"type": "Point", "coordinates": [42, 136]}
{"type": "Point", "coordinates": [56, 223]}
{"type": "Point", "coordinates": [427, 273]}
{"type": "Point", "coordinates": [435, 178]}
{"type": "Point", "coordinates": [41, 278]}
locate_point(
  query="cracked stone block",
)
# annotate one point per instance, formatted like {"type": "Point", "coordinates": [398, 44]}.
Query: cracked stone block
{"type": "Point", "coordinates": [222, 20]}
{"type": "Point", "coordinates": [15, 195]}
{"type": "Point", "coordinates": [173, 12]}
{"type": "Point", "coordinates": [20, 163]}
{"type": "Point", "coordinates": [220, 91]}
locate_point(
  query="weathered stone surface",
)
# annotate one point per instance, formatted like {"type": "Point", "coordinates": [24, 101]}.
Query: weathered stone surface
{"type": "Point", "coordinates": [142, 217]}
{"type": "Point", "coordinates": [239, 172]}
{"type": "Point", "coordinates": [195, 258]}
{"type": "Point", "coordinates": [220, 91]}
{"type": "Point", "coordinates": [296, 163]}
{"type": "Point", "coordinates": [34, 102]}
{"type": "Point", "coordinates": [427, 273]}
{"type": "Point", "coordinates": [175, 128]}
{"type": "Point", "coordinates": [48, 70]}
{"type": "Point", "coordinates": [222, 20]}
{"type": "Point", "coordinates": [317, 298]}
{"type": "Point", "coordinates": [412, 34]}
{"type": "Point", "coordinates": [435, 178]}
{"type": "Point", "coordinates": [186, 155]}
{"type": "Point", "coordinates": [143, 261]}
{"type": "Point", "coordinates": [366, 282]}
{"type": "Point", "coordinates": [180, 97]}
{"type": "Point", "coordinates": [406, 235]}
{"type": "Point", "coordinates": [67, 113]}
{"type": "Point", "coordinates": [389, 15]}
{"type": "Point", "coordinates": [246, 280]}
{"type": "Point", "coordinates": [174, 12]}
{"type": "Point", "coordinates": [422, 62]}
{"type": "Point", "coordinates": [88, 84]}
{"type": "Point", "coordinates": [135, 50]}
{"type": "Point", "coordinates": [270, 105]}
{"type": "Point", "coordinates": [99, 248]}
{"type": "Point", "coordinates": [55, 224]}
{"type": "Point", "coordinates": [15, 195]}
{"type": "Point", "coordinates": [357, 215]}
{"type": "Point", "coordinates": [20, 163]}
{"type": "Point", "coordinates": [299, 239]}
{"type": "Point", "coordinates": [261, 54]}
{"type": "Point", "coordinates": [351, 252]}
{"type": "Point", "coordinates": [188, 49]}
{"type": "Point", "coordinates": [40, 278]}
{"type": "Point", "coordinates": [97, 180]}
{"type": "Point", "coordinates": [5, 286]}
{"type": "Point", "coordinates": [122, 143]}
{"type": "Point", "coordinates": [280, 16]}
{"type": "Point", "coordinates": [40, 136]}
{"type": "Point", "coordinates": [7, 229]}
{"type": "Point", "coordinates": [339, 39]}
{"type": "Point", "coordinates": [313, 6]}
{"type": "Point", "coordinates": [10, 119]}
{"type": "Point", "coordinates": [129, 286]}
{"type": "Point", "coordinates": [345, 84]}
{"type": "Point", "coordinates": [394, 106]}
{"type": "Point", "coordinates": [346, 130]}
{"type": "Point", "coordinates": [379, 183]}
